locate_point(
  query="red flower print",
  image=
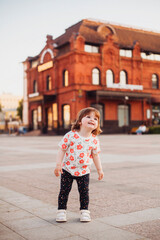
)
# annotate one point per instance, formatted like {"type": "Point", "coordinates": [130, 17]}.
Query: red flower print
{"type": "Point", "coordinates": [73, 167]}
{"type": "Point", "coordinates": [63, 165]}
{"type": "Point", "coordinates": [95, 141]}
{"type": "Point", "coordinates": [64, 146]}
{"type": "Point", "coordinates": [91, 156]}
{"type": "Point", "coordinates": [66, 154]}
{"type": "Point", "coordinates": [87, 161]}
{"type": "Point", "coordinates": [76, 173]}
{"type": "Point", "coordinates": [81, 155]}
{"type": "Point", "coordinates": [65, 140]}
{"type": "Point", "coordinates": [93, 135]}
{"type": "Point", "coordinates": [68, 163]}
{"type": "Point", "coordinates": [90, 148]}
{"type": "Point", "coordinates": [76, 136]}
{"type": "Point", "coordinates": [84, 171]}
{"type": "Point", "coordinates": [71, 158]}
{"type": "Point", "coordinates": [85, 166]}
{"type": "Point", "coordinates": [81, 161]}
{"type": "Point", "coordinates": [71, 151]}
{"type": "Point", "coordinates": [71, 143]}
{"type": "Point", "coordinates": [79, 147]}
{"type": "Point", "coordinates": [87, 140]}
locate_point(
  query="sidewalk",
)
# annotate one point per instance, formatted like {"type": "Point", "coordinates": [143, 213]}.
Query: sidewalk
{"type": "Point", "coordinates": [125, 205]}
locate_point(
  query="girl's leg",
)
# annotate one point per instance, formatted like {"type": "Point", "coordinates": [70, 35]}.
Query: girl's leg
{"type": "Point", "coordinates": [66, 185]}
{"type": "Point", "coordinates": [83, 188]}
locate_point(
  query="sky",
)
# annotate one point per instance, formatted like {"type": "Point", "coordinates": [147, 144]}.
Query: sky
{"type": "Point", "coordinates": [25, 24]}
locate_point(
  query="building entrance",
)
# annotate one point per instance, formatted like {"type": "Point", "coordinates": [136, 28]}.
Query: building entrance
{"type": "Point", "coordinates": [123, 115]}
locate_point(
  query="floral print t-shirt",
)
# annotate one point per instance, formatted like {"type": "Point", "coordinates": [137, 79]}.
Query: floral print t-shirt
{"type": "Point", "coordinates": [78, 155]}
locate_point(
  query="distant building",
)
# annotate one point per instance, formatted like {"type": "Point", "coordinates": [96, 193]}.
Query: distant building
{"type": "Point", "coordinates": [113, 68]}
{"type": "Point", "coordinates": [9, 104]}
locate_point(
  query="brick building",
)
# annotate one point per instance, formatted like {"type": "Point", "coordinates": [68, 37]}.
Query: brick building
{"type": "Point", "coordinates": [113, 68]}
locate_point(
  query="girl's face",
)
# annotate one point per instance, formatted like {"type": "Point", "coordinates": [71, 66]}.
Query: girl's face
{"type": "Point", "coordinates": [90, 121]}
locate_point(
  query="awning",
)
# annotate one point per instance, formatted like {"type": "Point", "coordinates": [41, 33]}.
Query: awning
{"type": "Point", "coordinates": [45, 98]}
{"type": "Point", "coordinates": [155, 100]}
{"type": "Point", "coordinates": [49, 98]}
{"type": "Point", "coordinates": [117, 95]}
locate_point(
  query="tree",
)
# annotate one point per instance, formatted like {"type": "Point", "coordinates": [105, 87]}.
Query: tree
{"type": "Point", "coordinates": [20, 109]}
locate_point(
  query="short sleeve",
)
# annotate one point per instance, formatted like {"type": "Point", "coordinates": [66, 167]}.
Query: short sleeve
{"type": "Point", "coordinates": [96, 146]}
{"type": "Point", "coordinates": [65, 142]}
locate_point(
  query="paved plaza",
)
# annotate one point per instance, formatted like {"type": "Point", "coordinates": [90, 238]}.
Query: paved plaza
{"type": "Point", "coordinates": [125, 205]}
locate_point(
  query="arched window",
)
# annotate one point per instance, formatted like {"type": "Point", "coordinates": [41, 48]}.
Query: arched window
{"type": "Point", "coordinates": [48, 83]}
{"type": "Point", "coordinates": [35, 86]}
{"type": "Point", "coordinates": [109, 77]}
{"type": "Point", "coordinates": [123, 77]}
{"type": "Point", "coordinates": [95, 76]}
{"type": "Point", "coordinates": [65, 78]}
{"type": "Point", "coordinates": [155, 81]}
{"type": "Point", "coordinates": [66, 116]}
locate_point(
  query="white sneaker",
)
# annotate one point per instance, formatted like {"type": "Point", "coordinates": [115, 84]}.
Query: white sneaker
{"type": "Point", "coordinates": [61, 216]}
{"type": "Point", "coordinates": [85, 216]}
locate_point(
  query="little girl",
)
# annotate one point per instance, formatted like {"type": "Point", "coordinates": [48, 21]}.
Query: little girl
{"type": "Point", "coordinates": [78, 149]}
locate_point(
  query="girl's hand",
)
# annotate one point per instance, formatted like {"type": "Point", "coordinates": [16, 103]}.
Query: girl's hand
{"type": "Point", "coordinates": [58, 170]}
{"type": "Point", "coordinates": [101, 174]}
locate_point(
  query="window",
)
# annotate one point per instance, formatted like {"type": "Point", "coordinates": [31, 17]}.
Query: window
{"type": "Point", "coordinates": [48, 83]}
{"type": "Point", "coordinates": [65, 78]}
{"type": "Point", "coordinates": [34, 86]}
{"type": "Point", "coordinates": [125, 53]}
{"type": "Point", "coordinates": [49, 118]}
{"type": "Point", "coordinates": [39, 113]}
{"type": "Point", "coordinates": [55, 115]}
{"type": "Point", "coordinates": [95, 76]}
{"type": "Point", "coordinates": [109, 77]}
{"type": "Point", "coordinates": [123, 77]}
{"type": "Point", "coordinates": [91, 48]}
{"type": "Point", "coordinates": [66, 116]}
{"type": "Point", "coordinates": [123, 115]}
{"type": "Point", "coordinates": [34, 64]}
{"type": "Point", "coordinates": [150, 56]}
{"type": "Point", "coordinates": [35, 119]}
{"type": "Point", "coordinates": [154, 81]}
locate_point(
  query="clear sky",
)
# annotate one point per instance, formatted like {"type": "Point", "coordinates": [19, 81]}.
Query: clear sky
{"type": "Point", "coordinates": [24, 25]}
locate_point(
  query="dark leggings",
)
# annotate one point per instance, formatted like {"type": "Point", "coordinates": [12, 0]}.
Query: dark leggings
{"type": "Point", "coordinates": [66, 185]}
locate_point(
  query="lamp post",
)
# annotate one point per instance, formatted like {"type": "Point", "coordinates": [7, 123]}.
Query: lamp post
{"type": "Point", "coordinates": [126, 98]}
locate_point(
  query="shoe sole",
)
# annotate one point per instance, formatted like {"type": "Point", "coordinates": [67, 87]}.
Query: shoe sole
{"type": "Point", "coordinates": [85, 220]}
{"type": "Point", "coordinates": [61, 220]}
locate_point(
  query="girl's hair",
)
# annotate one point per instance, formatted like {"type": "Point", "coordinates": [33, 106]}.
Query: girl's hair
{"type": "Point", "coordinates": [85, 111]}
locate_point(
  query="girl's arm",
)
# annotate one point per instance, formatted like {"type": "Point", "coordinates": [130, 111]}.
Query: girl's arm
{"type": "Point", "coordinates": [97, 162]}
{"type": "Point", "coordinates": [58, 168]}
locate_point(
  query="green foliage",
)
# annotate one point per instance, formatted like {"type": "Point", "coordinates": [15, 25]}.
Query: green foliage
{"type": "Point", "coordinates": [20, 109]}
{"type": "Point", "coordinates": [154, 129]}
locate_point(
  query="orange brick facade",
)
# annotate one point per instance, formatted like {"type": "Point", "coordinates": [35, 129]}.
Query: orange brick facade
{"type": "Point", "coordinates": [65, 77]}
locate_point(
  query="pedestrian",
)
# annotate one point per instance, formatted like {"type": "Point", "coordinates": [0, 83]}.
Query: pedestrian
{"type": "Point", "coordinates": [141, 129]}
{"type": "Point", "coordinates": [78, 149]}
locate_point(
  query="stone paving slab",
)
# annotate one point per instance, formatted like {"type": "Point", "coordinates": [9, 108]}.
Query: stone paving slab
{"type": "Point", "coordinates": [149, 229]}
{"type": "Point", "coordinates": [125, 205]}
{"type": "Point", "coordinates": [132, 218]}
